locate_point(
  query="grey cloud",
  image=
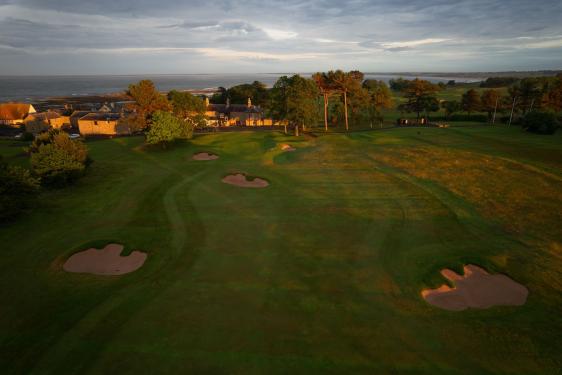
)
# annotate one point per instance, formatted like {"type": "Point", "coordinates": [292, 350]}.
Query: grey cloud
{"type": "Point", "coordinates": [352, 33]}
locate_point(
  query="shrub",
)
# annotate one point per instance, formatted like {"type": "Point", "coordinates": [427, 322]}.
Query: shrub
{"type": "Point", "coordinates": [57, 159]}
{"type": "Point", "coordinates": [18, 190]}
{"type": "Point", "coordinates": [540, 122]}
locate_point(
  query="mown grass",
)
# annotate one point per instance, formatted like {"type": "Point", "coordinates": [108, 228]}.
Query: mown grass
{"type": "Point", "coordinates": [318, 273]}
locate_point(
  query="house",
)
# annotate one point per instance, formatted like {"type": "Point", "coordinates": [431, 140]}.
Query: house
{"type": "Point", "coordinates": [237, 115]}
{"type": "Point", "coordinates": [100, 123]}
{"type": "Point", "coordinates": [36, 123]}
{"type": "Point", "coordinates": [75, 116]}
{"type": "Point", "coordinates": [14, 113]}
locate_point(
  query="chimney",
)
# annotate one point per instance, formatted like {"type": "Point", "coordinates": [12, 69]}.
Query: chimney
{"type": "Point", "coordinates": [249, 102]}
{"type": "Point", "coordinates": [207, 103]}
{"type": "Point", "coordinates": [227, 102]}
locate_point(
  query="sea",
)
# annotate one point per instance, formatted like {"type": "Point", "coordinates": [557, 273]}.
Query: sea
{"type": "Point", "coordinates": [36, 88]}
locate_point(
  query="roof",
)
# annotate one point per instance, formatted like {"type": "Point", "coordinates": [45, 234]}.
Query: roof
{"type": "Point", "coordinates": [101, 116]}
{"type": "Point", "coordinates": [46, 115]}
{"type": "Point", "coordinates": [238, 108]}
{"type": "Point", "coordinates": [14, 111]}
{"type": "Point", "coordinates": [79, 114]}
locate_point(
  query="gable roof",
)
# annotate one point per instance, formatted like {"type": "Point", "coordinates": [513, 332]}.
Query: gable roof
{"type": "Point", "coordinates": [233, 108]}
{"type": "Point", "coordinates": [79, 114]}
{"type": "Point", "coordinates": [15, 111]}
{"type": "Point", "coordinates": [45, 115]}
{"type": "Point", "coordinates": [101, 116]}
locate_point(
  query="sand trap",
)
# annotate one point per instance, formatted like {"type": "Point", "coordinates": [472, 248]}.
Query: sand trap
{"type": "Point", "coordinates": [241, 180]}
{"type": "Point", "coordinates": [477, 289]}
{"type": "Point", "coordinates": [287, 147]}
{"type": "Point", "coordinates": [205, 156]}
{"type": "Point", "coordinates": [105, 262]}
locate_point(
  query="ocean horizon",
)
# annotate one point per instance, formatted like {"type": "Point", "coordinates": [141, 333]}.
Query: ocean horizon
{"type": "Point", "coordinates": [41, 87]}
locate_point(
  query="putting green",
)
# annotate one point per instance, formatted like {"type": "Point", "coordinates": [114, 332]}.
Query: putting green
{"type": "Point", "coordinates": [319, 273]}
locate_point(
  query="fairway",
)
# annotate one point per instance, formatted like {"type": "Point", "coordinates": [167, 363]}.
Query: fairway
{"type": "Point", "coordinates": [321, 271]}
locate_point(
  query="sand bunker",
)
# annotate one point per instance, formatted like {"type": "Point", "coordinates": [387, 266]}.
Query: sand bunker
{"type": "Point", "coordinates": [477, 289]}
{"type": "Point", "coordinates": [241, 180]}
{"type": "Point", "coordinates": [105, 262]}
{"type": "Point", "coordinates": [287, 147]}
{"type": "Point", "coordinates": [205, 156]}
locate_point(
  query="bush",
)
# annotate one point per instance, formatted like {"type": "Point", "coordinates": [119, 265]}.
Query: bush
{"type": "Point", "coordinates": [57, 159]}
{"type": "Point", "coordinates": [540, 122]}
{"type": "Point", "coordinates": [18, 191]}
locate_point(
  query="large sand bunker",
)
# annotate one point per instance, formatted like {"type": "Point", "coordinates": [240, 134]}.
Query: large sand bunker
{"type": "Point", "coordinates": [286, 147]}
{"type": "Point", "coordinates": [205, 156]}
{"type": "Point", "coordinates": [477, 289]}
{"type": "Point", "coordinates": [107, 261]}
{"type": "Point", "coordinates": [242, 180]}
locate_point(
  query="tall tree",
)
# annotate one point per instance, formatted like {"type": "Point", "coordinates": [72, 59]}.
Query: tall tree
{"type": "Point", "coordinates": [552, 98]}
{"type": "Point", "coordinates": [325, 88]}
{"type": "Point", "coordinates": [420, 97]}
{"type": "Point", "coordinates": [379, 98]}
{"type": "Point", "coordinates": [344, 83]}
{"type": "Point", "coordinates": [301, 102]}
{"type": "Point", "coordinates": [294, 99]}
{"type": "Point", "coordinates": [147, 101]}
{"type": "Point", "coordinates": [471, 101]}
{"type": "Point", "coordinates": [490, 101]}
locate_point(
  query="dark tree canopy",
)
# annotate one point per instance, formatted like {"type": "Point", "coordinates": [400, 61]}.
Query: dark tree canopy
{"type": "Point", "coordinates": [470, 101]}
{"type": "Point", "coordinates": [18, 190]}
{"type": "Point", "coordinates": [420, 97]}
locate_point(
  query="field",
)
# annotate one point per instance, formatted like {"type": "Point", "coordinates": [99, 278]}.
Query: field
{"type": "Point", "coordinates": [320, 272]}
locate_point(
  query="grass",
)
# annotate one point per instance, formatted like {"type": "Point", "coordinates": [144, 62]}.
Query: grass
{"type": "Point", "coordinates": [320, 272]}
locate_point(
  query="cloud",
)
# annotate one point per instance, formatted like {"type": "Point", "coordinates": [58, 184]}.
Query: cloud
{"type": "Point", "coordinates": [294, 34]}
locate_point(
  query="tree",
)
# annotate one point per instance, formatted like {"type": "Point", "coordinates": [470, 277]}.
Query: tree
{"type": "Point", "coordinates": [188, 107]}
{"type": "Point", "coordinates": [294, 99]}
{"type": "Point", "coordinates": [301, 101]}
{"type": "Point", "coordinates": [540, 122]}
{"type": "Point", "coordinates": [379, 98]}
{"type": "Point", "coordinates": [147, 101]}
{"type": "Point", "coordinates": [471, 101]}
{"type": "Point", "coordinates": [495, 82]}
{"type": "Point", "coordinates": [18, 190]}
{"type": "Point", "coordinates": [450, 107]}
{"type": "Point", "coordinates": [420, 97]}
{"type": "Point", "coordinates": [400, 84]}
{"type": "Point", "coordinates": [530, 92]}
{"type": "Point", "coordinates": [344, 83]}
{"type": "Point", "coordinates": [552, 98]}
{"type": "Point", "coordinates": [278, 98]}
{"type": "Point", "coordinates": [166, 128]}
{"type": "Point", "coordinates": [57, 159]}
{"type": "Point", "coordinates": [220, 96]}
{"type": "Point", "coordinates": [256, 91]}
{"type": "Point", "coordinates": [490, 102]}
{"type": "Point", "coordinates": [325, 88]}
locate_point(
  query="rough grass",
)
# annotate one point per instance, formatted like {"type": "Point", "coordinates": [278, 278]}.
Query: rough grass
{"type": "Point", "coordinates": [319, 273]}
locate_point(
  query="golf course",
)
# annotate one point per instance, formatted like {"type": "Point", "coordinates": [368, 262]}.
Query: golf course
{"type": "Point", "coordinates": [315, 263]}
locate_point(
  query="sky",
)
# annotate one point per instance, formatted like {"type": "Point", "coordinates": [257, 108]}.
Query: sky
{"type": "Point", "coordinates": [39, 37]}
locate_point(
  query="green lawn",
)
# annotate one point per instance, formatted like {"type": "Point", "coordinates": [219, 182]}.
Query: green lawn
{"type": "Point", "coordinates": [321, 272]}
